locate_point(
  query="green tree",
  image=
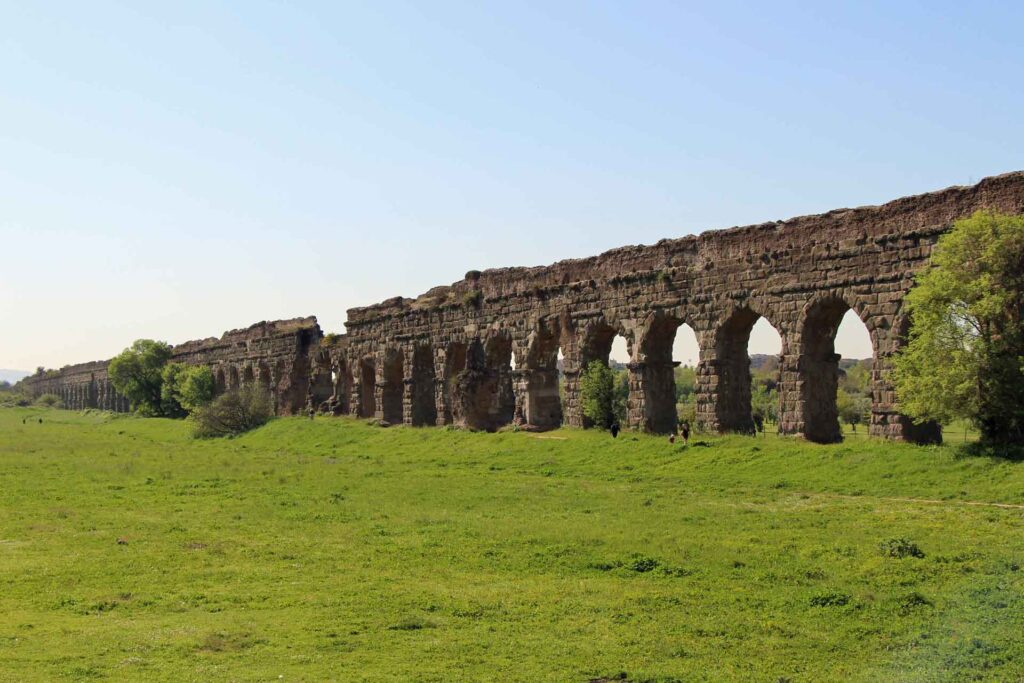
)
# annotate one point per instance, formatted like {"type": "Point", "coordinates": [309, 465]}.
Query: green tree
{"type": "Point", "coordinates": [195, 387]}
{"type": "Point", "coordinates": [857, 378]}
{"type": "Point", "coordinates": [170, 376]}
{"type": "Point", "coordinates": [965, 353]}
{"type": "Point", "coordinates": [686, 383]}
{"type": "Point", "coordinates": [764, 402]}
{"type": "Point", "coordinates": [185, 388]}
{"type": "Point", "coordinates": [137, 373]}
{"type": "Point", "coordinates": [851, 407]}
{"type": "Point", "coordinates": [601, 395]}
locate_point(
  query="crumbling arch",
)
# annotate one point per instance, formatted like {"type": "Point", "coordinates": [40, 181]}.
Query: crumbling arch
{"type": "Point", "coordinates": [321, 384]}
{"type": "Point", "coordinates": [498, 359]}
{"type": "Point", "coordinates": [341, 384]}
{"type": "Point", "coordinates": [539, 378]}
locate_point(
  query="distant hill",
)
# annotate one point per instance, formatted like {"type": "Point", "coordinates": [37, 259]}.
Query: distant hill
{"type": "Point", "coordinates": [759, 360]}
{"type": "Point", "coordinates": [13, 376]}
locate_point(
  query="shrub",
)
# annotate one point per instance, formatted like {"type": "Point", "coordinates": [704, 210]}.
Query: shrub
{"type": "Point", "coordinates": [10, 398]}
{"type": "Point", "coordinates": [908, 603]}
{"type": "Point", "coordinates": [473, 299]}
{"type": "Point", "coordinates": [830, 599]}
{"type": "Point", "coordinates": [49, 401]}
{"type": "Point", "coordinates": [642, 565]}
{"type": "Point", "coordinates": [900, 548]}
{"type": "Point", "coordinates": [235, 412]}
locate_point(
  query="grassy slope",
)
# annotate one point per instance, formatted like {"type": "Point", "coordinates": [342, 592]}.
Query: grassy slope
{"type": "Point", "coordinates": [335, 550]}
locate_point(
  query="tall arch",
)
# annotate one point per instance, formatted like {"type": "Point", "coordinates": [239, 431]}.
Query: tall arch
{"type": "Point", "coordinates": [454, 364]}
{"type": "Point", "coordinates": [424, 405]}
{"type": "Point", "coordinates": [819, 369]}
{"type": "Point", "coordinates": [341, 386]}
{"type": "Point", "coordinates": [594, 340]}
{"type": "Point", "coordinates": [542, 403]}
{"type": "Point", "coordinates": [367, 387]}
{"type": "Point", "coordinates": [321, 383]}
{"type": "Point", "coordinates": [730, 370]}
{"type": "Point", "coordinates": [498, 358]}
{"type": "Point", "coordinates": [392, 390]}
{"type": "Point", "coordinates": [656, 367]}
{"type": "Point", "coordinates": [483, 395]}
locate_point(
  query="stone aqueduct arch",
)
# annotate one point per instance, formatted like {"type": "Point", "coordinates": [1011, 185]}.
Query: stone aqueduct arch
{"type": "Point", "coordinates": [446, 356]}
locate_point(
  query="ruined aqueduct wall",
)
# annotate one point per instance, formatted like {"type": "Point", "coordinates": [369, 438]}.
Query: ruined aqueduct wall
{"type": "Point", "coordinates": [275, 354]}
{"type": "Point", "coordinates": [445, 357]}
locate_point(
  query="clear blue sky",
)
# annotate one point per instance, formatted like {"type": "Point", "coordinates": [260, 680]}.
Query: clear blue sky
{"type": "Point", "coordinates": [172, 170]}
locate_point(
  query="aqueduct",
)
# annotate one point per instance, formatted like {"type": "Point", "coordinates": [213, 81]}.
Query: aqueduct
{"type": "Point", "coordinates": [483, 352]}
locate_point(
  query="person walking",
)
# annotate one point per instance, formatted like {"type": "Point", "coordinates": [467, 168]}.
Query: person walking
{"type": "Point", "coordinates": [684, 430]}
{"type": "Point", "coordinates": [614, 429]}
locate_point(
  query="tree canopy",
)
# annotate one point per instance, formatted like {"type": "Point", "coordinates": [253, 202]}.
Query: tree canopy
{"type": "Point", "coordinates": [965, 352]}
{"type": "Point", "coordinates": [137, 373]}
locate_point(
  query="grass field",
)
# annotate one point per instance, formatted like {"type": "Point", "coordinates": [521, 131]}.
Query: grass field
{"type": "Point", "coordinates": [335, 550]}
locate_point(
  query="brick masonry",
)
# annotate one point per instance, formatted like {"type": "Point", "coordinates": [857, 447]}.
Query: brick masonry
{"type": "Point", "coordinates": [482, 352]}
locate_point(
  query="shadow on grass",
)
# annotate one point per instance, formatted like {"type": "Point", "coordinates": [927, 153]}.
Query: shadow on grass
{"type": "Point", "coordinates": [980, 449]}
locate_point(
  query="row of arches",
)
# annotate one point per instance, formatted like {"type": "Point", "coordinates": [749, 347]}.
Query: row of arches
{"type": "Point", "coordinates": [533, 379]}
{"type": "Point", "coordinates": [92, 394]}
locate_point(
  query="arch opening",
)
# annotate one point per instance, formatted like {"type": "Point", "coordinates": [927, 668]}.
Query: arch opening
{"type": "Point", "coordinates": [424, 406]}
{"type": "Point", "coordinates": [764, 348]}
{"type": "Point", "coordinates": [542, 401]}
{"type": "Point", "coordinates": [498, 355]}
{"type": "Point", "coordinates": [660, 371]}
{"type": "Point", "coordinates": [819, 370]}
{"type": "Point", "coordinates": [341, 388]}
{"type": "Point", "coordinates": [747, 348]}
{"type": "Point", "coordinates": [854, 392]}
{"type": "Point", "coordinates": [321, 386]}
{"type": "Point", "coordinates": [607, 345]}
{"type": "Point", "coordinates": [392, 390]}
{"type": "Point", "coordinates": [454, 365]}
{"type": "Point", "coordinates": [367, 386]}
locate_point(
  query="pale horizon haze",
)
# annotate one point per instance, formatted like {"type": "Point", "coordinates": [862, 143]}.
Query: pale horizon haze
{"type": "Point", "coordinates": [176, 170]}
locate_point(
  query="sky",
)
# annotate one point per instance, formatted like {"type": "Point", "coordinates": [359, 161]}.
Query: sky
{"type": "Point", "coordinates": [174, 170]}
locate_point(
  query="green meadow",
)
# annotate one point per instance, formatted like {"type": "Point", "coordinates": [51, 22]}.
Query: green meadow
{"type": "Point", "coordinates": [337, 550]}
